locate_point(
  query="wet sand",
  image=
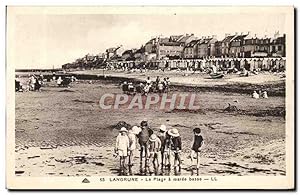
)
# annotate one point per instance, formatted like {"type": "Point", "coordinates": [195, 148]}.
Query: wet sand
{"type": "Point", "coordinates": [63, 132]}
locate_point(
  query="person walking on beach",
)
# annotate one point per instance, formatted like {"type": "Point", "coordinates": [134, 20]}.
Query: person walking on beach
{"type": "Point", "coordinates": [162, 135]}
{"type": "Point", "coordinates": [176, 147]}
{"type": "Point", "coordinates": [153, 147]}
{"type": "Point", "coordinates": [197, 143]}
{"type": "Point", "coordinates": [122, 145]}
{"type": "Point", "coordinates": [144, 136]}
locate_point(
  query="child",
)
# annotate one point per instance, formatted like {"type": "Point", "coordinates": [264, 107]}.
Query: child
{"type": "Point", "coordinates": [122, 145]}
{"type": "Point", "coordinates": [176, 146]}
{"type": "Point", "coordinates": [132, 143]}
{"type": "Point", "coordinates": [198, 142]}
{"type": "Point", "coordinates": [143, 137]}
{"type": "Point", "coordinates": [162, 136]}
{"type": "Point", "coordinates": [153, 147]}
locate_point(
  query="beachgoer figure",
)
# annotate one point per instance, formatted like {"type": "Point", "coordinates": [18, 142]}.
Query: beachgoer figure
{"type": "Point", "coordinates": [121, 148]}
{"type": "Point", "coordinates": [214, 69]}
{"type": "Point", "coordinates": [160, 87]}
{"type": "Point", "coordinates": [132, 143]}
{"type": "Point", "coordinates": [148, 81]}
{"type": "Point", "coordinates": [143, 137]}
{"type": "Point", "coordinates": [157, 81]}
{"type": "Point", "coordinates": [125, 87]}
{"type": "Point", "coordinates": [153, 147]}
{"type": "Point", "coordinates": [32, 82]}
{"type": "Point", "coordinates": [162, 135]}
{"type": "Point", "coordinates": [198, 142]}
{"type": "Point", "coordinates": [167, 151]}
{"type": "Point", "coordinates": [140, 88]}
{"type": "Point", "coordinates": [265, 95]}
{"type": "Point", "coordinates": [18, 85]}
{"type": "Point", "coordinates": [176, 147]}
{"type": "Point", "coordinates": [38, 84]}
{"type": "Point", "coordinates": [255, 95]}
{"type": "Point", "coordinates": [59, 81]}
{"type": "Point", "coordinates": [130, 88]}
{"type": "Point", "coordinates": [147, 88]}
{"type": "Point", "coordinates": [244, 72]}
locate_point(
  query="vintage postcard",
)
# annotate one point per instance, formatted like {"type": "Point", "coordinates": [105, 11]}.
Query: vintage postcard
{"type": "Point", "coordinates": [150, 97]}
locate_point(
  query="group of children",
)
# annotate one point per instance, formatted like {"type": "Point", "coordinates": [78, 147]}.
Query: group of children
{"type": "Point", "coordinates": [156, 148]}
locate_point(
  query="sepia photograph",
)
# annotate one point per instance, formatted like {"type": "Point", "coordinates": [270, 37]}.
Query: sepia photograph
{"type": "Point", "coordinates": [150, 97]}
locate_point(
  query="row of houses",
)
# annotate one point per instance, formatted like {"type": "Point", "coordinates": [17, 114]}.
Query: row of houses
{"type": "Point", "coordinates": [188, 46]}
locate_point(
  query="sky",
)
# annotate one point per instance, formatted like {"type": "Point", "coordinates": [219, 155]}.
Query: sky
{"type": "Point", "coordinates": [47, 41]}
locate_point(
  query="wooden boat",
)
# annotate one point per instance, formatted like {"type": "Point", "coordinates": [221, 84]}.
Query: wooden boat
{"type": "Point", "coordinates": [216, 75]}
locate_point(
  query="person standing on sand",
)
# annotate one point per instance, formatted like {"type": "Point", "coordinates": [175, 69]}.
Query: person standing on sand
{"type": "Point", "coordinates": [153, 147]}
{"type": "Point", "coordinates": [132, 143]}
{"type": "Point", "coordinates": [162, 135]}
{"type": "Point", "coordinates": [198, 142]}
{"type": "Point", "coordinates": [122, 145]}
{"type": "Point", "coordinates": [144, 136]}
{"type": "Point", "coordinates": [176, 147]}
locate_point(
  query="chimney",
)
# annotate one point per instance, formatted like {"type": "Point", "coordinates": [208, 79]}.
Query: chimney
{"type": "Point", "coordinates": [214, 36]}
{"type": "Point", "coordinates": [236, 33]}
{"type": "Point", "coordinates": [227, 34]}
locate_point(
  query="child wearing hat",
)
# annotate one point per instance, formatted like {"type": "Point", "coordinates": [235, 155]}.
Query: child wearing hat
{"type": "Point", "coordinates": [122, 145]}
{"type": "Point", "coordinates": [162, 135]}
{"type": "Point", "coordinates": [176, 146]}
{"type": "Point", "coordinates": [153, 147]}
{"type": "Point", "coordinates": [198, 142]}
{"type": "Point", "coordinates": [132, 142]}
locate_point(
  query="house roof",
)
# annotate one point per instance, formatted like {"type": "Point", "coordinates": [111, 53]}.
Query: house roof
{"type": "Point", "coordinates": [239, 37]}
{"type": "Point", "coordinates": [183, 39]}
{"type": "Point", "coordinates": [164, 40]}
{"type": "Point", "coordinates": [127, 52]}
{"type": "Point", "coordinates": [175, 37]}
{"type": "Point", "coordinates": [192, 43]}
{"type": "Point", "coordinates": [228, 38]}
{"type": "Point", "coordinates": [141, 50]}
{"type": "Point", "coordinates": [112, 49]}
{"type": "Point", "coordinates": [207, 40]}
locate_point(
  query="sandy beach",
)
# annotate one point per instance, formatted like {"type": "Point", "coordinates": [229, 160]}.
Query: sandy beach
{"type": "Point", "coordinates": [63, 132]}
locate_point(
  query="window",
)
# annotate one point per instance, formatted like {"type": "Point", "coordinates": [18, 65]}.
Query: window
{"type": "Point", "coordinates": [279, 48]}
